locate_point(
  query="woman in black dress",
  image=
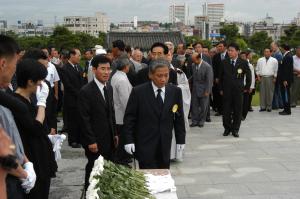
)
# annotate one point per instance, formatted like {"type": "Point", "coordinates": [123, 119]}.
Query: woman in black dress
{"type": "Point", "coordinates": [38, 148]}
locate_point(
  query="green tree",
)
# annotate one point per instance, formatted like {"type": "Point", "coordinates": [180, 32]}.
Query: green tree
{"type": "Point", "coordinates": [259, 41]}
{"type": "Point", "coordinates": [33, 42]}
{"type": "Point", "coordinates": [231, 31]}
{"type": "Point", "coordinates": [242, 43]}
{"type": "Point", "coordinates": [291, 36]}
{"type": "Point", "coordinates": [102, 38]}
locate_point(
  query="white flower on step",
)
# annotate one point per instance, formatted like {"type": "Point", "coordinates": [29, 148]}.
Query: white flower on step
{"type": "Point", "coordinates": [98, 168]}
{"type": "Point", "coordinates": [92, 191]}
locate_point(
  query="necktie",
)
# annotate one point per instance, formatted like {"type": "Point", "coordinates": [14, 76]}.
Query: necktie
{"type": "Point", "coordinates": [76, 68]}
{"type": "Point", "coordinates": [222, 56]}
{"type": "Point", "coordinates": [159, 99]}
{"type": "Point", "coordinates": [232, 63]}
{"type": "Point", "coordinates": [105, 94]}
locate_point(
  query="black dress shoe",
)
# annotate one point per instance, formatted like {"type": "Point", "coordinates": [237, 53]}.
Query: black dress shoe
{"type": "Point", "coordinates": [75, 145]}
{"type": "Point", "coordinates": [226, 132]}
{"type": "Point", "coordinates": [284, 113]}
{"type": "Point", "coordinates": [208, 120]}
{"type": "Point", "coordinates": [262, 110]}
{"type": "Point", "coordinates": [201, 125]}
{"type": "Point", "coordinates": [235, 134]}
{"type": "Point", "coordinates": [217, 114]}
{"type": "Point", "coordinates": [250, 109]}
{"type": "Point", "coordinates": [269, 110]}
{"type": "Point", "coordinates": [193, 124]}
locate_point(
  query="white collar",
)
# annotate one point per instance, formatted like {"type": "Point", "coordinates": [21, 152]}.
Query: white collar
{"type": "Point", "coordinates": [286, 53]}
{"type": "Point", "coordinates": [234, 60]}
{"type": "Point", "coordinates": [155, 88]}
{"type": "Point", "coordinates": [99, 84]}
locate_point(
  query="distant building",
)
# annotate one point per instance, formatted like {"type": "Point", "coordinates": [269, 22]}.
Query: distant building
{"type": "Point", "coordinates": [296, 20]}
{"type": "Point", "coordinates": [3, 26]}
{"type": "Point", "coordinates": [179, 14]}
{"type": "Point", "coordinates": [201, 26]}
{"type": "Point", "coordinates": [214, 12]}
{"type": "Point", "coordinates": [30, 29]}
{"type": "Point", "coordinates": [144, 40]}
{"type": "Point", "coordinates": [268, 25]}
{"type": "Point", "coordinates": [90, 25]}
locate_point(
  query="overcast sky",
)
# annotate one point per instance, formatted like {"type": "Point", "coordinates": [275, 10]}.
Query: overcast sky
{"type": "Point", "coordinates": [124, 10]}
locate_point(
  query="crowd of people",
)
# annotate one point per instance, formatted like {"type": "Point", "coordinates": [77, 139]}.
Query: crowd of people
{"type": "Point", "coordinates": [125, 104]}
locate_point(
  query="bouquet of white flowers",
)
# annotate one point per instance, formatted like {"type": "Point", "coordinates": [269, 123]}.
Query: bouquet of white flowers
{"type": "Point", "coordinates": [112, 181]}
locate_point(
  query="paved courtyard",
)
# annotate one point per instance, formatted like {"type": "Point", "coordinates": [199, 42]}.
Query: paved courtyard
{"type": "Point", "coordinates": [264, 163]}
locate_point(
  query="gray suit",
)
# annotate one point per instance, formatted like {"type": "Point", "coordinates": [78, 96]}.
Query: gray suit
{"type": "Point", "coordinates": [202, 83]}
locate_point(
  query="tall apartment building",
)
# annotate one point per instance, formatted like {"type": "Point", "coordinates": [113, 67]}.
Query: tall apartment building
{"type": "Point", "coordinates": [91, 25]}
{"type": "Point", "coordinates": [214, 12]}
{"type": "Point", "coordinates": [179, 14]}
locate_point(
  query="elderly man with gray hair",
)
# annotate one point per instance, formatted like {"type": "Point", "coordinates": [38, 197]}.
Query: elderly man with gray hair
{"type": "Point", "coordinates": [136, 59]}
{"type": "Point", "coordinates": [153, 110]}
{"type": "Point", "coordinates": [121, 91]}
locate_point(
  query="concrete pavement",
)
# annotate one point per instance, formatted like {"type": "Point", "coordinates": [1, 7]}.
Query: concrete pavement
{"type": "Point", "coordinates": [264, 163]}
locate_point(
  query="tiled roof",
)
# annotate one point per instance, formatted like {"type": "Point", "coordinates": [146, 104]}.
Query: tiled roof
{"type": "Point", "coordinates": [144, 40]}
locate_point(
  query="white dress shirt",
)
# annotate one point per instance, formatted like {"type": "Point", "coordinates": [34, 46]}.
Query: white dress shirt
{"type": "Point", "coordinates": [52, 75]}
{"type": "Point", "coordinates": [267, 68]}
{"type": "Point", "coordinates": [162, 93]}
{"type": "Point", "coordinates": [121, 92]}
{"type": "Point", "coordinates": [296, 62]}
{"type": "Point", "coordinates": [100, 86]}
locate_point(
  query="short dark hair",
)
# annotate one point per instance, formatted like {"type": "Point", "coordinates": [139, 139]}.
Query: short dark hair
{"type": "Point", "coordinates": [8, 46]}
{"type": "Point", "coordinates": [158, 63]}
{"type": "Point", "coordinates": [198, 42]}
{"type": "Point", "coordinates": [118, 44]}
{"type": "Point", "coordinates": [163, 46]}
{"type": "Point", "coordinates": [268, 49]}
{"type": "Point", "coordinates": [128, 49]}
{"type": "Point", "coordinates": [243, 53]}
{"type": "Point", "coordinates": [99, 59]}
{"type": "Point", "coordinates": [234, 45]}
{"type": "Point", "coordinates": [222, 42]}
{"type": "Point", "coordinates": [35, 53]}
{"type": "Point", "coordinates": [30, 69]}
{"type": "Point", "coordinates": [286, 47]}
{"type": "Point", "coordinates": [88, 50]}
{"type": "Point", "coordinates": [72, 52]}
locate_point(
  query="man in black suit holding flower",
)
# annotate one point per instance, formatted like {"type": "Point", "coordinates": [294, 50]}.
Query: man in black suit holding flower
{"type": "Point", "coordinates": [153, 110]}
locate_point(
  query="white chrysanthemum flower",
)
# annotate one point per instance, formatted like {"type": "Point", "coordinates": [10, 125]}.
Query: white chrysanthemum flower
{"type": "Point", "coordinates": [92, 192]}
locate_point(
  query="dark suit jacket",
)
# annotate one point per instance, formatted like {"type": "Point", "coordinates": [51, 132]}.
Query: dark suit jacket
{"type": "Point", "coordinates": [285, 69]}
{"type": "Point", "coordinates": [148, 127]}
{"type": "Point", "coordinates": [73, 81]}
{"type": "Point", "coordinates": [216, 64]}
{"type": "Point", "coordinates": [230, 80]}
{"type": "Point", "coordinates": [98, 118]}
{"type": "Point", "coordinates": [143, 76]}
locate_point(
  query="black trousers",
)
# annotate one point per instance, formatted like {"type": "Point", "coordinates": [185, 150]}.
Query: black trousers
{"type": "Point", "coordinates": [157, 163]}
{"type": "Point", "coordinates": [73, 122]}
{"type": "Point", "coordinates": [121, 156]}
{"type": "Point", "coordinates": [90, 164]}
{"type": "Point", "coordinates": [232, 110]}
{"type": "Point", "coordinates": [286, 98]}
{"type": "Point", "coordinates": [217, 99]}
{"type": "Point", "coordinates": [40, 190]}
{"type": "Point", "coordinates": [13, 188]}
{"type": "Point", "coordinates": [246, 99]}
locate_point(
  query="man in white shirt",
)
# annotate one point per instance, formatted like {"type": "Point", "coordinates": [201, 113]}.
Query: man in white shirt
{"type": "Point", "coordinates": [266, 70]}
{"type": "Point", "coordinates": [121, 91]}
{"type": "Point", "coordinates": [295, 90]}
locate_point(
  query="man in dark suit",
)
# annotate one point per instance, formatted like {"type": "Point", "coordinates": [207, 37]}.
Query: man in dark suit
{"type": "Point", "coordinates": [153, 110]}
{"type": "Point", "coordinates": [216, 64]}
{"type": "Point", "coordinates": [72, 78]}
{"type": "Point", "coordinates": [286, 78]}
{"type": "Point", "coordinates": [158, 50]}
{"type": "Point", "coordinates": [232, 74]}
{"type": "Point", "coordinates": [95, 102]}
